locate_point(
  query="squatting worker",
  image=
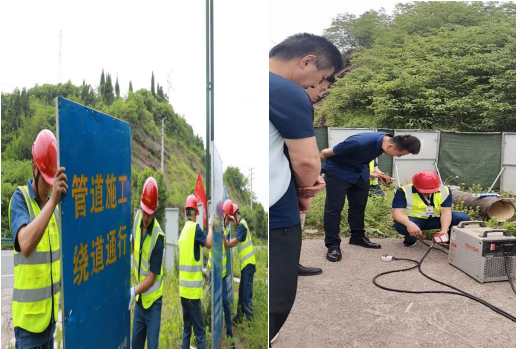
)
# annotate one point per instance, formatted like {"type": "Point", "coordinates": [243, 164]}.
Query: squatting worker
{"type": "Point", "coordinates": [424, 205]}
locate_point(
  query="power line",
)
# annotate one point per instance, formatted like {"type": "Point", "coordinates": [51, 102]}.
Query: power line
{"type": "Point", "coordinates": [273, 42]}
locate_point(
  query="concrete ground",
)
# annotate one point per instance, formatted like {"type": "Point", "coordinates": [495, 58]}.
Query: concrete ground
{"type": "Point", "coordinates": [343, 308]}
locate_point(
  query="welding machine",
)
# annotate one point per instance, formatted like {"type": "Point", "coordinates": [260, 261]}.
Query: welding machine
{"type": "Point", "coordinates": [482, 252]}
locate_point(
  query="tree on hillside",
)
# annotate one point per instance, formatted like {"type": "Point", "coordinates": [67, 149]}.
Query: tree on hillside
{"type": "Point", "coordinates": [152, 83]}
{"type": "Point", "coordinates": [233, 177]}
{"type": "Point", "coordinates": [101, 86]}
{"type": "Point", "coordinates": [117, 89]}
{"type": "Point", "coordinates": [436, 65]}
{"type": "Point", "coordinates": [108, 91]}
{"type": "Point", "coordinates": [130, 87]}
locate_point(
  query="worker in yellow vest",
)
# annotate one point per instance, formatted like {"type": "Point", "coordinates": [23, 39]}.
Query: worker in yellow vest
{"type": "Point", "coordinates": [190, 242]}
{"type": "Point", "coordinates": [226, 302]}
{"type": "Point", "coordinates": [37, 251]}
{"type": "Point", "coordinates": [375, 176]}
{"type": "Point", "coordinates": [243, 240]}
{"type": "Point", "coordinates": [424, 205]}
{"type": "Point", "coordinates": [147, 244]}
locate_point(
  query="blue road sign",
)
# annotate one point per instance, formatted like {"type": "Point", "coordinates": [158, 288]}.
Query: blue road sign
{"type": "Point", "coordinates": [217, 248]}
{"type": "Point", "coordinates": [95, 150]}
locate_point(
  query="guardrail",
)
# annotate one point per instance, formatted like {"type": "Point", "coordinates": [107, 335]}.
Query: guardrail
{"type": "Point", "coordinates": [7, 241]}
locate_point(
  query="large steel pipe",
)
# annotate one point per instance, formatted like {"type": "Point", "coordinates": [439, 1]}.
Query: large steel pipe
{"type": "Point", "coordinates": [489, 207]}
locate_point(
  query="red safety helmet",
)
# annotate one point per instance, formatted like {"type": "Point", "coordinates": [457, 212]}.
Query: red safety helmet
{"type": "Point", "coordinates": [426, 182]}
{"type": "Point", "coordinates": [235, 208]}
{"type": "Point", "coordinates": [149, 198]}
{"type": "Point", "coordinates": [228, 208]}
{"type": "Point", "coordinates": [192, 203]}
{"type": "Point", "coordinates": [44, 153]}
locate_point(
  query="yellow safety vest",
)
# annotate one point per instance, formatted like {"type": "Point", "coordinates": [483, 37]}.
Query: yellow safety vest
{"type": "Point", "coordinates": [224, 258]}
{"type": "Point", "coordinates": [373, 181]}
{"type": "Point", "coordinates": [156, 290]}
{"type": "Point", "coordinates": [191, 271]}
{"type": "Point", "coordinates": [37, 278]}
{"type": "Point", "coordinates": [415, 206]}
{"type": "Point", "coordinates": [246, 251]}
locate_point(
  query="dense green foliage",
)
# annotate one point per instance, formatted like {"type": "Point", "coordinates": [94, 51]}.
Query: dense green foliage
{"type": "Point", "coordinates": [432, 65]}
{"type": "Point", "coordinates": [238, 192]}
{"type": "Point", "coordinates": [25, 113]}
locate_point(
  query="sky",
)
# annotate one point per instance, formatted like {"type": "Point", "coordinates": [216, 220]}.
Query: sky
{"type": "Point", "coordinates": [132, 40]}
{"type": "Point", "coordinates": [288, 17]}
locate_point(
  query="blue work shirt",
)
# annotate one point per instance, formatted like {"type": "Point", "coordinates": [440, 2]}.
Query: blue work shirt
{"type": "Point", "coordinates": [291, 113]}
{"type": "Point", "coordinates": [354, 155]}
{"type": "Point", "coordinates": [399, 200]}
{"type": "Point", "coordinates": [199, 240]}
{"type": "Point", "coordinates": [240, 233]}
{"type": "Point", "coordinates": [20, 212]}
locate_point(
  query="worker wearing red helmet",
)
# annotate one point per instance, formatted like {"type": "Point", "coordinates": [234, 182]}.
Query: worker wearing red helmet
{"type": "Point", "coordinates": [147, 244]}
{"type": "Point", "coordinates": [243, 240]}
{"type": "Point", "coordinates": [32, 220]}
{"type": "Point", "coordinates": [190, 242]}
{"type": "Point", "coordinates": [424, 205]}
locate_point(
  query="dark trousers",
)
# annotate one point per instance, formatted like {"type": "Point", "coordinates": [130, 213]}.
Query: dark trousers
{"type": "Point", "coordinates": [284, 255]}
{"type": "Point", "coordinates": [193, 317]}
{"type": "Point", "coordinates": [245, 303]}
{"type": "Point", "coordinates": [226, 307]}
{"type": "Point", "coordinates": [337, 190]}
{"type": "Point", "coordinates": [428, 224]}
{"type": "Point", "coordinates": [146, 323]}
{"type": "Point", "coordinates": [26, 339]}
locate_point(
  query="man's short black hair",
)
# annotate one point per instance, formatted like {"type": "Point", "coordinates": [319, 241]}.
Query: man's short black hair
{"type": "Point", "coordinates": [301, 45]}
{"type": "Point", "coordinates": [331, 79]}
{"type": "Point", "coordinates": [407, 142]}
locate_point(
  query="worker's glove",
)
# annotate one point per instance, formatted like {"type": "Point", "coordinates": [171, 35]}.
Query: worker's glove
{"type": "Point", "coordinates": [212, 220]}
{"type": "Point", "coordinates": [442, 237]}
{"type": "Point", "coordinates": [131, 297]}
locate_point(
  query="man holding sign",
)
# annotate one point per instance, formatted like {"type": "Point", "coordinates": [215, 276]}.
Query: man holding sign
{"type": "Point", "coordinates": [37, 251]}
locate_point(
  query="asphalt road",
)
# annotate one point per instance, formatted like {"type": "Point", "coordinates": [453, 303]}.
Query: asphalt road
{"type": "Point", "coordinates": [7, 270]}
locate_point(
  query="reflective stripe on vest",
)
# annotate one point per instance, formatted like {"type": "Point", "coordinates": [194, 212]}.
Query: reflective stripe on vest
{"type": "Point", "coordinates": [373, 181]}
{"type": "Point", "coordinates": [246, 251]}
{"type": "Point", "coordinates": [191, 276]}
{"type": "Point", "coordinates": [415, 206]}
{"type": "Point", "coordinates": [37, 278]}
{"type": "Point", "coordinates": [156, 290]}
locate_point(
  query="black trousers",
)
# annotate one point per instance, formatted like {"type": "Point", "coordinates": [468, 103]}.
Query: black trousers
{"type": "Point", "coordinates": [284, 255]}
{"type": "Point", "coordinates": [357, 194]}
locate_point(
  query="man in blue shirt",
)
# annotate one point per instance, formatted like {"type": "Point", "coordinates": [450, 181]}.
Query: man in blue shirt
{"type": "Point", "coordinates": [32, 220]}
{"type": "Point", "coordinates": [300, 61]}
{"type": "Point", "coordinates": [347, 175]}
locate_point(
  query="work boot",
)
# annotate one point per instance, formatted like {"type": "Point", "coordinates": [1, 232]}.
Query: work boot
{"type": "Point", "coordinates": [307, 271]}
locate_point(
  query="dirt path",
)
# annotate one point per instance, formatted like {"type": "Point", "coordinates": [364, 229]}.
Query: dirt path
{"type": "Point", "coordinates": [343, 308]}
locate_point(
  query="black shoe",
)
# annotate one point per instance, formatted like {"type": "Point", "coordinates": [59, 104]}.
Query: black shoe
{"type": "Point", "coordinates": [307, 271]}
{"type": "Point", "coordinates": [363, 241]}
{"type": "Point", "coordinates": [334, 254]}
{"type": "Point", "coordinates": [409, 243]}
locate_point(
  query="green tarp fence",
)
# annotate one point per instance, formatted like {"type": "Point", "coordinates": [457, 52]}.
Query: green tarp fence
{"type": "Point", "coordinates": [474, 157]}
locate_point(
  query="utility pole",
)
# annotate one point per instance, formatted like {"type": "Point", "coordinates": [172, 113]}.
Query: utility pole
{"type": "Point", "coordinates": [163, 133]}
{"type": "Point", "coordinates": [251, 187]}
